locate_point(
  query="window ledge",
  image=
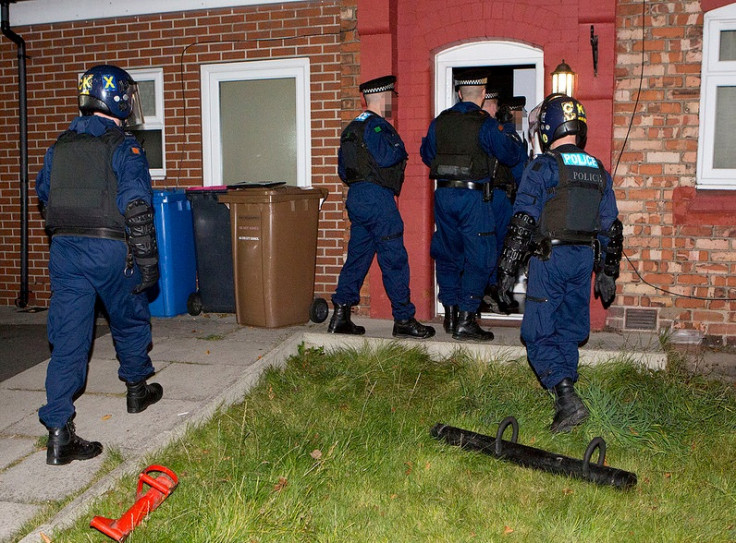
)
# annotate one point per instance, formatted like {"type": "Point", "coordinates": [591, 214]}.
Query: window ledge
{"type": "Point", "coordinates": [703, 207]}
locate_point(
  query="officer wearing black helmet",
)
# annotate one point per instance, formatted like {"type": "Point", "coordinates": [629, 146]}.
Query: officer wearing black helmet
{"type": "Point", "coordinates": [460, 148]}
{"type": "Point", "coordinates": [565, 212]}
{"type": "Point", "coordinates": [371, 161]}
{"type": "Point", "coordinates": [95, 191]}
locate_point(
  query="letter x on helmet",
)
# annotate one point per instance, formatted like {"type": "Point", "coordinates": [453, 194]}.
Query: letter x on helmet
{"type": "Point", "coordinates": [559, 116]}
{"type": "Point", "coordinates": [110, 90]}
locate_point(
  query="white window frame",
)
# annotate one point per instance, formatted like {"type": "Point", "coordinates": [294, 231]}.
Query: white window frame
{"type": "Point", "coordinates": [155, 122]}
{"type": "Point", "coordinates": [714, 74]}
{"type": "Point", "coordinates": [213, 74]}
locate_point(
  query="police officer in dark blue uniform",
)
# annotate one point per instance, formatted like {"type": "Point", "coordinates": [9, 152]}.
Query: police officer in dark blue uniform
{"type": "Point", "coordinates": [505, 183]}
{"type": "Point", "coordinates": [371, 160]}
{"type": "Point", "coordinates": [95, 191]}
{"type": "Point", "coordinates": [460, 147]}
{"type": "Point", "coordinates": [566, 211]}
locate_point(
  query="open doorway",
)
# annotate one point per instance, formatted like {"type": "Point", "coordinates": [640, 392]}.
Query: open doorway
{"type": "Point", "coordinates": [516, 71]}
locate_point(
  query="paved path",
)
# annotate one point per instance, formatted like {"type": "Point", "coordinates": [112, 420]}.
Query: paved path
{"type": "Point", "coordinates": [203, 363]}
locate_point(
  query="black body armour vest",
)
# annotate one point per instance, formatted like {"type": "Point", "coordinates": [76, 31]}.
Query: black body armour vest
{"type": "Point", "coordinates": [84, 187]}
{"type": "Point", "coordinates": [360, 164]}
{"type": "Point", "coordinates": [459, 155]}
{"type": "Point", "coordinates": [572, 213]}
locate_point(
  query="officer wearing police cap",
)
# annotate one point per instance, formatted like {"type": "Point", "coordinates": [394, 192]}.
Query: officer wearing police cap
{"type": "Point", "coordinates": [371, 161]}
{"type": "Point", "coordinates": [460, 147]}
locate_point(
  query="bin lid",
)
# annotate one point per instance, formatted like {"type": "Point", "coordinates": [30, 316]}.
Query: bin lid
{"type": "Point", "coordinates": [169, 195]}
{"type": "Point", "coordinates": [256, 184]}
{"type": "Point", "coordinates": [214, 188]}
{"type": "Point", "coordinates": [280, 193]}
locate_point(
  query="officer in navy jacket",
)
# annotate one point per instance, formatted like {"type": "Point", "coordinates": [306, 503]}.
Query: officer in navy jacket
{"type": "Point", "coordinates": [371, 161]}
{"type": "Point", "coordinates": [460, 147]}
{"type": "Point", "coordinates": [95, 193]}
{"type": "Point", "coordinates": [565, 214]}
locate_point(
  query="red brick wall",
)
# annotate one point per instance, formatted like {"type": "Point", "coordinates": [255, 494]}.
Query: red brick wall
{"type": "Point", "coordinates": [58, 52]}
{"type": "Point", "coordinates": [425, 27]}
{"type": "Point", "coordinates": [678, 239]}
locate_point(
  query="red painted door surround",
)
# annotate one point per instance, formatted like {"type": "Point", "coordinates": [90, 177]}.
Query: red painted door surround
{"type": "Point", "coordinates": [404, 36]}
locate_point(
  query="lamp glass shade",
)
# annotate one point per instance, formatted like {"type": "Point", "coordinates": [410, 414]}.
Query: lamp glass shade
{"type": "Point", "coordinates": [563, 79]}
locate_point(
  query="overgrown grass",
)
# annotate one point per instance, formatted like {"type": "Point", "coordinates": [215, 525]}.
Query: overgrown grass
{"type": "Point", "coordinates": [337, 448]}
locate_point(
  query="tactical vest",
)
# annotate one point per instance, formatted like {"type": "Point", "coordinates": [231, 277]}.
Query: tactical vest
{"type": "Point", "coordinates": [359, 162]}
{"type": "Point", "coordinates": [572, 213]}
{"type": "Point", "coordinates": [459, 155]}
{"type": "Point", "coordinates": [84, 187]}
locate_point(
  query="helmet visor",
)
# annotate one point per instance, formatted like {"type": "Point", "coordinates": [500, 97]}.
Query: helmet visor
{"type": "Point", "coordinates": [136, 108]}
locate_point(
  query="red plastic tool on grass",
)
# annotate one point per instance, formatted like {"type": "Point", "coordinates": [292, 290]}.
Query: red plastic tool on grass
{"type": "Point", "coordinates": [161, 488]}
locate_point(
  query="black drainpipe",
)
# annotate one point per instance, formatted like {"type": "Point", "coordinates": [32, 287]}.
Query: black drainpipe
{"type": "Point", "coordinates": [22, 300]}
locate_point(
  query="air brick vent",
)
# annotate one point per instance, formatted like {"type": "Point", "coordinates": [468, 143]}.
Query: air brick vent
{"type": "Point", "coordinates": [640, 319]}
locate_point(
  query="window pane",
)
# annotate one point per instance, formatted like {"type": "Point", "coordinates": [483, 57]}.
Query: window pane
{"type": "Point", "coordinates": [258, 130]}
{"type": "Point", "coordinates": [147, 92]}
{"type": "Point", "coordinates": [150, 140]}
{"type": "Point", "coordinates": [728, 45]}
{"type": "Point", "coordinates": [725, 133]}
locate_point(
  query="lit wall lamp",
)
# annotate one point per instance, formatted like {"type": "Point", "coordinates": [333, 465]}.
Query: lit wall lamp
{"type": "Point", "coordinates": [563, 79]}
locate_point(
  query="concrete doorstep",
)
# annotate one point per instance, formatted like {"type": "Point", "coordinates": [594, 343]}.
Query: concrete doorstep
{"type": "Point", "coordinates": [204, 363]}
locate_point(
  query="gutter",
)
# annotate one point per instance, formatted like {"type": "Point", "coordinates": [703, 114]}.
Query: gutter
{"type": "Point", "coordinates": [22, 300]}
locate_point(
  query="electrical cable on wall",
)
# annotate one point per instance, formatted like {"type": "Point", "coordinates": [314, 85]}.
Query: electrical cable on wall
{"type": "Point", "coordinates": [623, 146]}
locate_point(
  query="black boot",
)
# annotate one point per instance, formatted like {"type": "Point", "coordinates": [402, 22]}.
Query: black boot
{"type": "Point", "coordinates": [468, 329]}
{"type": "Point", "coordinates": [412, 328]}
{"type": "Point", "coordinates": [65, 445]}
{"type": "Point", "coordinates": [141, 395]}
{"type": "Point", "coordinates": [450, 321]}
{"type": "Point", "coordinates": [569, 408]}
{"type": "Point", "coordinates": [341, 323]}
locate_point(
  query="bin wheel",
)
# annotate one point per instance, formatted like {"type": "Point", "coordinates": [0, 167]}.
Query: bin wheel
{"type": "Point", "coordinates": [194, 303]}
{"type": "Point", "coordinates": [319, 310]}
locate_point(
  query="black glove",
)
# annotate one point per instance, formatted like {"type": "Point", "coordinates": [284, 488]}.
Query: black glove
{"type": "Point", "coordinates": [149, 277]}
{"type": "Point", "coordinates": [505, 285]}
{"type": "Point", "coordinates": [142, 243]}
{"type": "Point", "coordinates": [605, 288]}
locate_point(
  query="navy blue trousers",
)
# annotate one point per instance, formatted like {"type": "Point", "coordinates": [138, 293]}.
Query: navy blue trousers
{"type": "Point", "coordinates": [463, 246]}
{"type": "Point", "coordinates": [502, 212]}
{"type": "Point", "coordinates": [376, 229]}
{"type": "Point", "coordinates": [80, 270]}
{"type": "Point", "coordinates": [557, 312]}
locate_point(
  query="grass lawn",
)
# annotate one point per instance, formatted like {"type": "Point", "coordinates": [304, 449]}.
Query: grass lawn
{"type": "Point", "coordinates": [336, 448]}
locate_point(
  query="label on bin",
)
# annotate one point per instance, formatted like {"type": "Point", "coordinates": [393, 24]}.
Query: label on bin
{"type": "Point", "coordinates": [249, 238]}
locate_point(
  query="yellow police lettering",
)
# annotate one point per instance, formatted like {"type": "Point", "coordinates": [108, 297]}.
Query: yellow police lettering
{"type": "Point", "coordinates": [109, 82]}
{"type": "Point", "coordinates": [85, 84]}
{"type": "Point", "coordinates": [568, 111]}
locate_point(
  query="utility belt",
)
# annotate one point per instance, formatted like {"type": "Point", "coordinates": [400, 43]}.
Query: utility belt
{"type": "Point", "coordinates": [487, 188]}
{"type": "Point", "coordinates": [104, 233]}
{"type": "Point", "coordinates": [542, 249]}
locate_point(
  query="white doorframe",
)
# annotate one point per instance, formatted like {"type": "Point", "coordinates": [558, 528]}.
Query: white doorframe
{"type": "Point", "coordinates": [213, 74]}
{"type": "Point", "coordinates": [485, 53]}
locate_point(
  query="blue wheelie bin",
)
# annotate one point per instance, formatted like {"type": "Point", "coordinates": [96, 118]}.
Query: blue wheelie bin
{"type": "Point", "coordinates": [172, 214]}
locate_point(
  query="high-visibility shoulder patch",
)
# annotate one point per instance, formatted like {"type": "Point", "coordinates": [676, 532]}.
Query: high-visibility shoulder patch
{"type": "Point", "coordinates": [377, 129]}
{"type": "Point", "coordinates": [136, 150]}
{"type": "Point", "coordinates": [579, 159]}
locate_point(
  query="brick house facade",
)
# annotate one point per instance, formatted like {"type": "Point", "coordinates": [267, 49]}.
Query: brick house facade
{"type": "Point", "coordinates": [678, 238]}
